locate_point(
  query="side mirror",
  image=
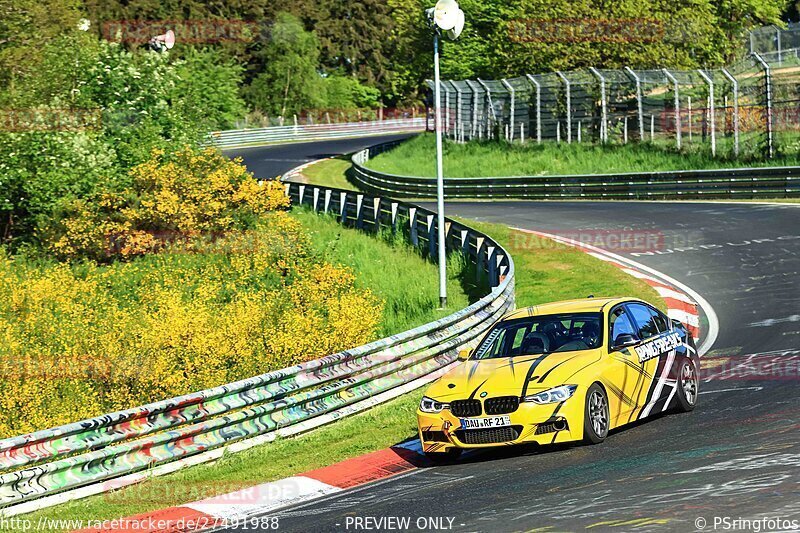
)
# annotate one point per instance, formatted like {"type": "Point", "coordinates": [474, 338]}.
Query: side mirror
{"type": "Point", "coordinates": [624, 340]}
{"type": "Point", "coordinates": [463, 355]}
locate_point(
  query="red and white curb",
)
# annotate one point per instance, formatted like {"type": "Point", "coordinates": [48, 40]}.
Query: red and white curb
{"type": "Point", "coordinates": [682, 301]}
{"type": "Point", "coordinates": [235, 508]}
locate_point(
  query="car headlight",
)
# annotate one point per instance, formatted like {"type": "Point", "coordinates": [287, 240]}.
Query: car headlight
{"type": "Point", "coordinates": [429, 405]}
{"type": "Point", "coordinates": [555, 395]}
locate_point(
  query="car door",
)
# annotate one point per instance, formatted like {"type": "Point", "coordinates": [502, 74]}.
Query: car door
{"type": "Point", "coordinates": [623, 375]}
{"type": "Point", "coordinates": [657, 353]}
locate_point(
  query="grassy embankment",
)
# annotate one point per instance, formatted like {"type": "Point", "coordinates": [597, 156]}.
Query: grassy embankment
{"type": "Point", "coordinates": [545, 272]}
{"type": "Point", "coordinates": [477, 159]}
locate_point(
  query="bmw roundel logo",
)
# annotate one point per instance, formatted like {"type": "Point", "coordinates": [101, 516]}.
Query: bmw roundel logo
{"type": "Point", "coordinates": [483, 394]}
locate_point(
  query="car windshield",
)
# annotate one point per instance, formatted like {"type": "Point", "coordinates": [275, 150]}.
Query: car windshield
{"type": "Point", "coordinates": [542, 334]}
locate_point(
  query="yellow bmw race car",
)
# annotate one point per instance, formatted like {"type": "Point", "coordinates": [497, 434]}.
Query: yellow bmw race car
{"type": "Point", "coordinates": [560, 372]}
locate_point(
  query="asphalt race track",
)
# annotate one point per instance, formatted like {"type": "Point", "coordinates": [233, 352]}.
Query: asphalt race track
{"type": "Point", "coordinates": [736, 456]}
{"type": "Point", "coordinates": [268, 162]}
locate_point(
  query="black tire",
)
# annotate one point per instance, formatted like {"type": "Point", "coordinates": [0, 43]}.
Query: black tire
{"type": "Point", "coordinates": [688, 384]}
{"type": "Point", "coordinates": [444, 457]}
{"type": "Point", "coordinates": [596, 415]}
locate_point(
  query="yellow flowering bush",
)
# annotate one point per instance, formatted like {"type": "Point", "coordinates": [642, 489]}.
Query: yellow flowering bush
{"type": "Point", "coordinates": [172, 197]}
{"type": "Point", "coordinates": [79, 340]}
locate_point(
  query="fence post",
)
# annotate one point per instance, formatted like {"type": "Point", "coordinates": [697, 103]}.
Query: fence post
{"type": "Point", "coordinates": [735, 85]}
{"type": "Point", "coordinates": [510, 90]}
{"type": "Point", "coordinates": [316, 198]}
{"type": "Point", "coordinates": [327, 200]}
{"type": "Point", "coordinates": [638, 81]}
{"type": "Point", "coordinates": [569, 105]}
{"type": "Point", "coordinates": [710, 83]}
{"type": "Point", "coordinates": [778, 43]}
{"type": "Point", "coordinates": [538, 88]}
{"type": "Point", "coordinates": [603, 105]}
{"type": "Point", "coordinates": [474, 124]}
{"type": "Point", "coordinates": [677, 95]}
{"type": "Point", "coordinates": [458, 120]}
{"type": "Point", "coordinates": [768, 94]}
{"type": "Point", "coordinates": [490, 105]}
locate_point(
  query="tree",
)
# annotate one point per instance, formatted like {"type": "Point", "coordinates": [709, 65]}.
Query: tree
{"type": "Point", "coordinates": [290, 81]}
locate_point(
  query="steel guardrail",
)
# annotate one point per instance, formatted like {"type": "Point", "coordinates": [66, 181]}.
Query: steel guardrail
{"type": "Point", "coordinates": [311, 132]}
{"type": "Point", "coordinates": [732, 183]}
{"type": "Point", "coordinates": [58, 460]}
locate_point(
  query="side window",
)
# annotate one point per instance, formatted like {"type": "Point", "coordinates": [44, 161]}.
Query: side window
{"type": "Point", "coordinates": [645, 320]}
{"type": "Point", "coordinates": [620, 323]}
{"type": "Point", "coordinates": [662, 321]}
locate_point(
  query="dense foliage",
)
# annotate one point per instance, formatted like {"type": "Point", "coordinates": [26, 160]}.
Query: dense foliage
{"type": "Point", "coordinates": [293, 46]}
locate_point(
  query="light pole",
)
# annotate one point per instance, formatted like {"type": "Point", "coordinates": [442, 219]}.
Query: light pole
{"type": "Point", "coordinates": [447, 18]}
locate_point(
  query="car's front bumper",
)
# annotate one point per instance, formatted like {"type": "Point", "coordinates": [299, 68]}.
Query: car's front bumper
{"type": "Point", "coordinates": [530, 423]}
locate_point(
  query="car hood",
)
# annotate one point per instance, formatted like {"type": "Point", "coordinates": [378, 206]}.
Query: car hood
{"type": "Point", "coordinates": [513, 376]}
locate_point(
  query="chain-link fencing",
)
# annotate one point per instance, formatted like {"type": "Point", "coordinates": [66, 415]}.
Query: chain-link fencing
{"type": "Point", "coordinates": [749, 109]}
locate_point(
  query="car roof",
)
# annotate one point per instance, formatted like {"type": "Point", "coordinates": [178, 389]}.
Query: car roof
{"type": "Point", "coordinates": [583, 305]}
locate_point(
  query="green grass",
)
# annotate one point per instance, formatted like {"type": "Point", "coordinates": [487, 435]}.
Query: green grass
{"type": "Point", "coordinates": [398, 274]}
{"type": "Point", "coordinates": [477, 159]}
{"type": "Point", "coordinates": [545, 272]}
{"type": "Point", "coordinates": [329, 173]}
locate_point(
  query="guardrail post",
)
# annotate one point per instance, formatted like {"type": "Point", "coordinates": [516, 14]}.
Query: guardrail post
{"type": "Point", "coordinates": [510, 89]}
{"type": "Point", "coordinates": [603, 105]}
{"type": "Point", "coordinates": [501, 268]}
{"type": "Point", "coordinates": [768, 93]}
{"type": "Point", "coordinates": [638, 81]}
{"type": "Point", "coordinates": [735, 87]}
{"type": "Point", "coordinates": [343, 208]}
{"type": "Point", "coordinates": [395, 205]}
{"type": "Point", "coordinates": [327, 200]}
{"type": "Point", "coordinates": [479, 261]}
{"type": "Point", "coordinates": [538, 88]}
{"type": "Point", "coordinates": [491, 260]}
{"type": "Point", "coordinates": [316, 198]}
{"type": "Point", "coordinates": [569, 105]}
{"type": "Point", "coordinates": [359, 211]}
{"type": "Point", "coordinates": [431, 236]}
{"type": "Point", "coordinates": [465, 242]}
{"type": "Point", "coordinates": [376, 213]}
{"type": "Point", "coordinates": [412, 222]}
{"type": "Point", "coordinates": [287, 190]}
{"type": "Point", "coordinates": [710, 84]}
{"type": "Point", "coordinates": [301, 192]}
{"type": "Point", "coordinates": [677, 104]}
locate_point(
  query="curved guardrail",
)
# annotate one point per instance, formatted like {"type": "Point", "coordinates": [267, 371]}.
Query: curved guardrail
{"type": "Point", "coordinates": [311, 132]}
{"type": "Point", "coordinates": [56, 461]}
{"type": "Point", "coordinates": [746, 183]}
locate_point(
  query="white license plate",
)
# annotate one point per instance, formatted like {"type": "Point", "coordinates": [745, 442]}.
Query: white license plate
{"type": "Point", "coordinates": [489, 422]}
